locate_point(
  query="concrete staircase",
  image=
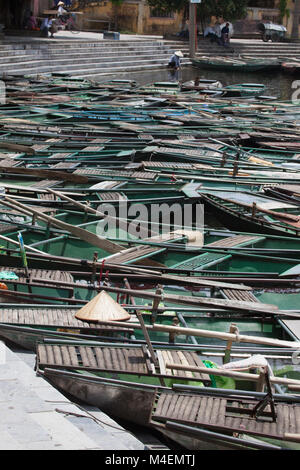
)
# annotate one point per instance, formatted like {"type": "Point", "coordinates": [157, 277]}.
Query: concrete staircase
{"type": "Point", "coordinates": [91, 58]}
{"type": "Point", "coordinates": [86, 59]}
{"type": "Point", "coordinates": [257, 49]}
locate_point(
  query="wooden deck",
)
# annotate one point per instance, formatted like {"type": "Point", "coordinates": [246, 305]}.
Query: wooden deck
{"type": "Point", "coordinates": [122, 360]}
{"type": "Point", "coordinates": [224, 414]}
{"type": "Point", "coordinates": [57, 317]}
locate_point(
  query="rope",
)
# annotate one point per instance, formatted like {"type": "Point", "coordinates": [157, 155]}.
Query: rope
{"type": "Point", "coordinates": [101, 270]}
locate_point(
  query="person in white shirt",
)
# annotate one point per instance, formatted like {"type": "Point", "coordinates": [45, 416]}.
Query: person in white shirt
{"type": "Point", "coordinates": [61, 12]}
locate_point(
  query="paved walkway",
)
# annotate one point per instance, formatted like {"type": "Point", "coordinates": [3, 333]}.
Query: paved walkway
{"type": "Point", "coordinates": [81, 36]}
{"type": "Point", "coordinates": [88, 36]}
{"type": "Point", "coordinates": [34, 415]}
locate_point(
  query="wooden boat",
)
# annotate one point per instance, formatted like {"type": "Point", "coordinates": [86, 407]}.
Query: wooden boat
{"type": "Point", "coordinates": [136, 394]}
{"type": "Point", "coordinates": [27, 324]}
{"type": "Point", "coordinates": [135, 402]}
{"type": "Point", "coordinates": [291, 66]}
{"type": "Point", "coordinates": [257, 215]}
{"type": "Point", "coordinates": [239, 65]}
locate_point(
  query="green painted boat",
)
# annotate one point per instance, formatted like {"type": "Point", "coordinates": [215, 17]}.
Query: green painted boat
{"type": "Point", "coordinates": [238, 65]}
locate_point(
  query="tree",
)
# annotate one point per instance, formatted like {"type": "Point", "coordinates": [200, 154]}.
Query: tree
{"type": "Point", "coordinates": [284, 11]}
{"type": "Point", "coordinates": [295, 27]}
{"type": "Point", "coordinates": [227, 9]}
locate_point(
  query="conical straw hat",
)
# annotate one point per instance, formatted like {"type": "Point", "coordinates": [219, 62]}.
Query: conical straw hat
{"type": "Point", "coordinates": [102, 307]}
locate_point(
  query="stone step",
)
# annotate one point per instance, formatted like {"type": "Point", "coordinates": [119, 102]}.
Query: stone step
{"type": "Point", "coordinates": [60, 64]}
{"type": "Point", "coordinates": [36, 416]}
{"type": "Point", "coordinates": [93, 70]}
{"type": "Point", "coordinates": [85, 58]}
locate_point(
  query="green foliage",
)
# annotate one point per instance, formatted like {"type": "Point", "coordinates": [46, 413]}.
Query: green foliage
{"type": "Point", "coordinates": [284, 11]}
{"type": "Point", "coordinates": [228, 9]}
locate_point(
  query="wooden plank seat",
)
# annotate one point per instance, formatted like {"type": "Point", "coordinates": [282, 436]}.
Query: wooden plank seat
{"type": "Point", "coordinates": [60, 156]}
{"type": "Point", "coordinates": [64, 166]}
{"type": "Point", "coordinates": [52, 317]}
{"type": "Point", "coordinates": [92, 148]}
{"type": "Point", "coordinates": [54, 140]}
{"type": "Point", "coordinates": [188, 152]}
{"type": "Point", "coordinates": [246, 296]}
{"type": "Point", "coordinates": [40, 147]}
{"type": "Point", "coordinates": [205, 260]}
{"type": "Point", "coordinates": [235, 241]}
{"type": "Point", "coordinates": [110, 196]}
{"type": "Point", "coordinates": [135, 360]}
{"type": "Point", "coordinates": [9, 162]}
{"type": "Point", "coordinates": [43, 184]}
{"type": "Point", "coordinates": [53, 275]}
{"type": "Point", "coordinates": [115, 173]}
{"type": "Point", "coordinates": [224, 414]}
{"type": "Point", "coordinates": [100, 141]}
{"type": "Point", "coordinates": [143, 251]}
{"type": "Point", "coordinates": [10, 212]}
{"type": "Point", "coordinates": [134, 254]}
{"type": "Point", "coordinates": [172, 165]}
{"type": "Point", "coordinates": [5, 228]}
{"type": "Point", "coordinates": [4, 156]}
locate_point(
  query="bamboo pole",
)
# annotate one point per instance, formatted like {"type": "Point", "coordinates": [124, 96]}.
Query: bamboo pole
{"type": "Point", "coordinates": [143, 326]}
{"type": "Point", "coordinates": [84, 235]}
{"type": "Point", "coordinates": [238, 305]}
{"type": "Point", "coordinates": [213, 334]}
{"type": "Point", "coordinates": [233, 374]}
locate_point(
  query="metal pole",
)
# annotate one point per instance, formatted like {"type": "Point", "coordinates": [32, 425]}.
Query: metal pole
{"type": "Point", "coordinates": [192, 29]}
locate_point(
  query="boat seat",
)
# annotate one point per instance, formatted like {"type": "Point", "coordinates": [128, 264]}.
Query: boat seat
{"type": "Point", "coordinates": [53, 275]}
{"type": "Point", "coordinates": [64, 166]}
{"type": "Point", "coordinates": [110, 196]}
{"type": "Point", "coordinates": [59, 317]}
{"type": "Point", "coordinates": [134, 254]}
{"type": "Point", "coordinates": [4, 228]}
{"type": "Point", "coordinates": [142, 175]}
{"type": "Point", "coordinates": [235, 241]}
{"type": "Point", "coordinates": [9, 162]}
{"type": "Point", "coordinates": [133, 360]}
{"type": "Point", "coordinates": [100, 141]}
{"type": "Point", "coordinates": [40, 147]}
{"type": "Point", "coordinates": [203, 261]}
{"type": "Point", "coordinates": [92, 148]}
{"type": "Point", "coordinates": [246, 296]}
{"type": "Point", "coordinates": [186, 358]}
{"type": "Point", "coordinates": [45, 184]}
{"type": "Point", "coordinates": [60, 156]}
{"type": "Point", "coordinates": [226, 414]}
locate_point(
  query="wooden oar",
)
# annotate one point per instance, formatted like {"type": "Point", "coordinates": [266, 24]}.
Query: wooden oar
{"type": "Point", "coordinates": [88, 237]}
{"type": "Point", "coordinates": [233, 374]}
{"type": "Point", "coordinates": [294, 218]}
{"type": "Point", "coordinates": [143, 326]}
{"type": "Point", "coordinates": [17, 147]}
{"type": "Point", "coordinates": [212, 334]}
{"type": "Point", "coordinates": [43, 173]}
{"type": "Point", "coordinates": [10, 240]}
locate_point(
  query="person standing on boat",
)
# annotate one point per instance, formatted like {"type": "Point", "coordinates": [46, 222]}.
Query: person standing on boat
{"type": "Point", "coordinates": [174, 61]}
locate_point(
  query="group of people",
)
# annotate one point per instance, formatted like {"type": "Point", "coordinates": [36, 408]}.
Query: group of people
{"type": "Point", "coordinates": [219, 34]}
{"type": "Point", "coordinates": [50, 23]}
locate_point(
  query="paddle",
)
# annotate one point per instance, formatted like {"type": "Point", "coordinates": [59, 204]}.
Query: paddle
{"type": "Point", "coordinates": [84, 235]}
